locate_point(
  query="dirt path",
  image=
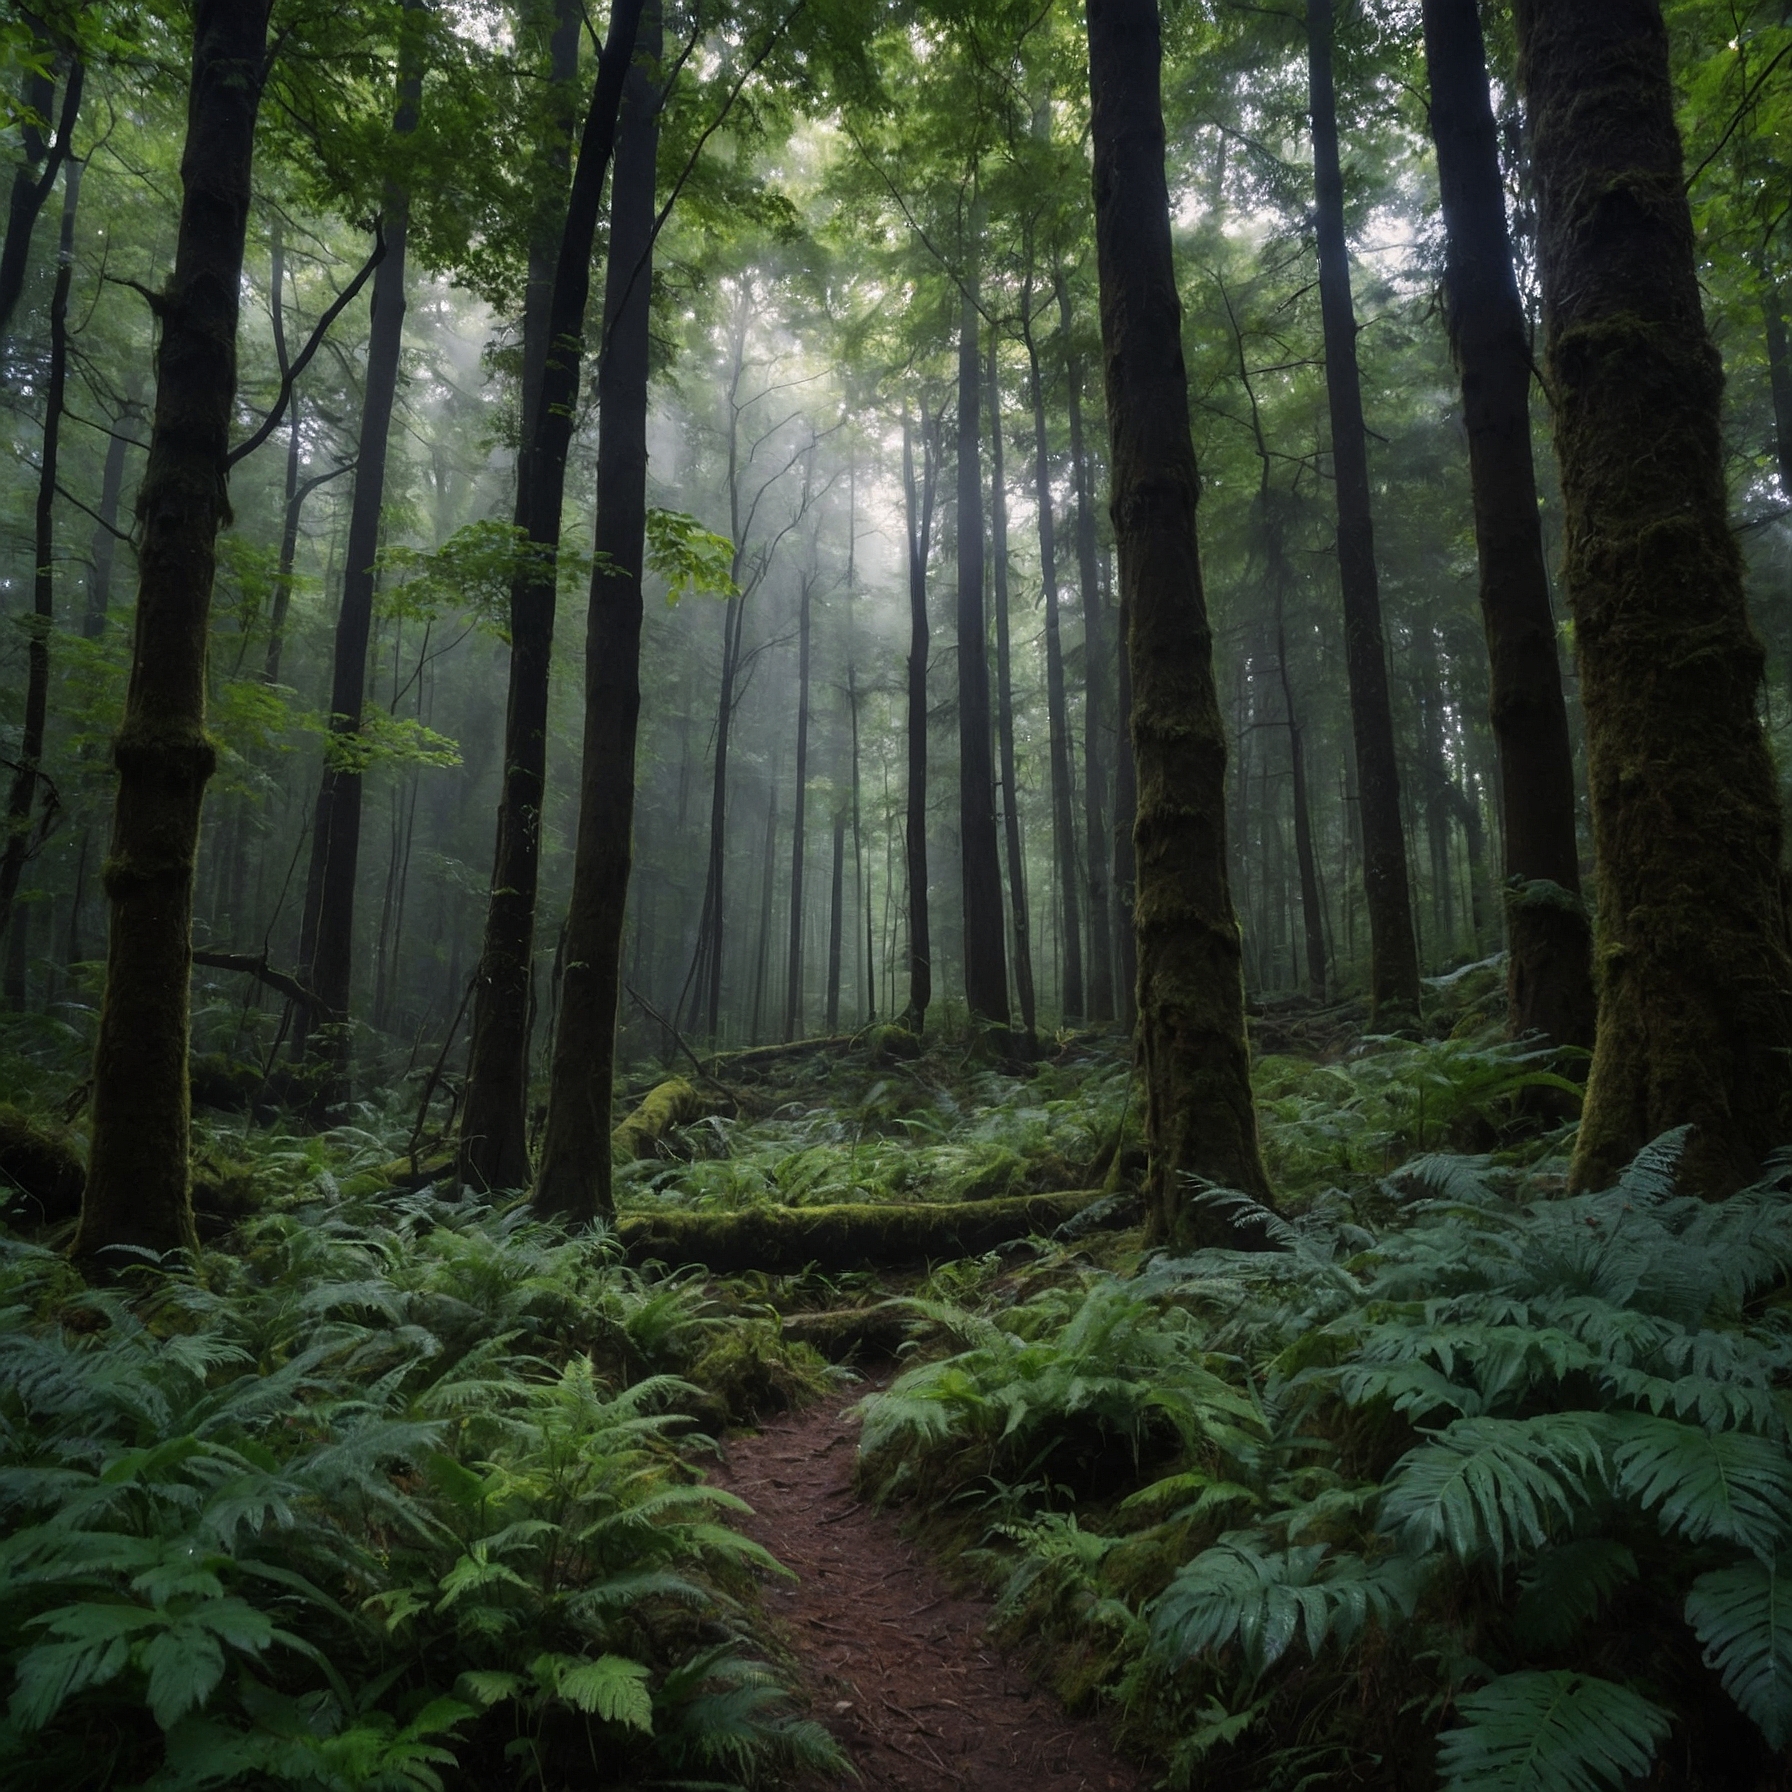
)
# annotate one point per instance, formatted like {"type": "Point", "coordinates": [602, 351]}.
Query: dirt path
{"type": "Point", "coordinates": [898, 1664]}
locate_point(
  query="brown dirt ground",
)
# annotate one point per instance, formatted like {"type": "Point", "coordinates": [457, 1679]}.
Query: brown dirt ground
{"type": "Point", "coordinates": [898, 1665]}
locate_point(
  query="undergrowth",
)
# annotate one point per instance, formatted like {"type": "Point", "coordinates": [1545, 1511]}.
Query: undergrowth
{"type": "Point", "coordinates": [387, 1498]}
{"type": "Point", "coordinates": [1461, 1487]}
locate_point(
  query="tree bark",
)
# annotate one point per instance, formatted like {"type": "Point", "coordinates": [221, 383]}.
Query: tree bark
{"type": "Point", "coordinates": [793, 967]}
{"type": "Point", "coordinates": [1126, 812]}
{"type": "Point", "coordinates": [326, 932]}
{"type": "Point", "coordinates": [1073, 1001]}
{"type": "Point", "coordinates": [574, 1176]}
{"type": "Point", "coordinates": [985, 957]}
{"type": "Point", "coordinates": [1393, 949]}
{"type": "Point", "coordinates": [1199, 1118]}
{"type": "Point", "coordinates": [494, 1136]}
{"type": "Point", "coordinates": [27, 772]}
{"type": "Point", "coordinates": [105, 530]}
{"type": "Point", "coordinates": [1095, 717]}
{"type": "Point", "coordinates": [1549, 978]}
{"type": "Point", "coordinates": [918, 515]}
{"type": "Point", "coordinates": [836, 922]}
{"type": "Point", "coordinates": [137, 1172]}
{"type": "Point", "coordinates": [1311, 908]}
{"type": "Point", "coordinates": [1695, 981]}
{"type": "Point", "coordinates": [1017, 871]}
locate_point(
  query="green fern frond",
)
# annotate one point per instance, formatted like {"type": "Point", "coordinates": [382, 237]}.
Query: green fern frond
{"type": "Point", "coordinates": [1726, 1484]}
{"type": "Point", "coordinates": [1743, 1617]}
{"type": "Point", "coordinates": [1550, 1732]}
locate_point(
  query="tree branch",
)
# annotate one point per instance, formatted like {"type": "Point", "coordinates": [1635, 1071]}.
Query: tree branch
{"type": "Point", "coordinates": [257, 966]}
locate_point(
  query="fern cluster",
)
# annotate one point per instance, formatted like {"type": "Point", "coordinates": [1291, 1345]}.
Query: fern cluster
{"type": "Point", "coordinates": [1511, 1509]}
{"type": "Point", "coordinates": [371, 1506]}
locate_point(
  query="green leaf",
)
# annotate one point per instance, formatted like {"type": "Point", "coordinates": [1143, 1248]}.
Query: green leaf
{"type": "Point", "coordinates": [1550, 1732]}
{"type": "Point", "coordinates": [1743, 1616]}
{"type": "Point", "coordinates": [611, 1687]}
{"type": "Point", "coordinates": [689, 557]}
{"type": "Point", "coordinates": [1566, 1585]}
{"type": "Point", "coordinates": [1725, 1484]}
{"type": "Point", "coordinates": [1493, 1483]}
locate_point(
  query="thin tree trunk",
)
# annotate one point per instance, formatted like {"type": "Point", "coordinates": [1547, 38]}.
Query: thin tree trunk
{"type": "Point", "coordinates": [1095, 709]}
{"type": "Point", "coordinates": [861, 882]}
{"type": "Point", "coordinates": [919, 529]}
{"type": "Point", "coordinates": [35, 177]}
{"type": "Point", "coordinates": [1393, 949]}
{"type": "Point", "coordinates": [1126, 811]}
{"type": "Point", "coordinates": [326, 934]}
{"type": "Point", "coordinates": [137, 1171]}
{"type": "Point", "coordinates": [985, 957]}
{"type": "Point", "coordinates": [768, 883]}
{"type": "Point", "coordinates": [1072, 1002]}
{"type": "Point", "coordinates": [106, 531]}
{"type": "Point", "coordinates": [574, 1177]}
{"type": "Point", "coordinates": [1779, 376]}
{"type": "Point", "coordinates": [22, 798]}
{"type": "Point", "coordinates": [1312, 909]}
{"type": "Point", "coordinates": [1695, 993]}
{"type": "Point", "coordinates": [793, 974]}
{"type": "Point", "coordinates": [494, 1136]}
{"type": "Point", "coordinates": [1017, 871]}
{"type": "Point", "coordinates": [1199, 1118]}
{"type": "Point", "coordinates": [1549, 978]}
{"type": "Point", "coordinates": [836, 923]}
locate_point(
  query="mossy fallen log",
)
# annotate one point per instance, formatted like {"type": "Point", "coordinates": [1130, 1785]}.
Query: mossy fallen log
{"type": "Point", "coordinates": [842, 1333]}
{"type": "Point", "coordinates": [40, 1169]}
{"type": "Point", "coordinates": [791, 1048]}
{"type": "Point", "coordinates": [671, 1103]}
{"type": "Point", "coordinates": [782, 1239]}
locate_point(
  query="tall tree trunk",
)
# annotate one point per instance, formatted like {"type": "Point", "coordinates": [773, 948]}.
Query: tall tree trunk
{"type": "Point", "coordinates": [918, 526]}
{"type": "Point", "coordinates": [768, 883]}
{"type": "Point", "coordinates": [836, 923]}
{"type": "Point", "coordinates": [326, 933]}
{"type": "Point", "coordinates": [1695, 985]}
{"type": "Point", "coordinates": [985, 957]}
{"type": "Point", "coordinates": [1095, 708]}
{"type": "Point", "coordinates": [1549, 980]}
{"type": "Point", "coordinates": [137, 1171]}
{"type": "Point", "coordinates": [861, 882]}
{"type": "Point", "coordinates": [1072, 1002]}
{"type": "Point", "coordinates": [793, 970]}
{"type": "Point", "coordinates": [1199, 1119]}
{"type": "Point", "coordinates": [1126, 812]}
{"type": "Point", "coordinates": [35, 177]}
{"type": "Point", "coordinates": [1393, 948]}
{"type": "Point", "coordinates": [574, 1176]}
{"type": "Point", "coordinates": [22, 798]}
{"type": "Point", "coordinates": [1312, 909]}
{"type": "Point", "coordinates": [494, 1136]}
{"type": "Point", "coordinates": [1017, 871]}
{"type": "Point", "coordinates": [105, 529]}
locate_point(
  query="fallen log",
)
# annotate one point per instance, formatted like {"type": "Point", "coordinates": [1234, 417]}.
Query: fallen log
{"type": "Point", "coordinates": [784, 1239]}
{"type": "Point", "coordinates": [841, 1333]}
{"type": "Point", "coordinates": [671, 1103]}
{"type": "Point", "coordinates": [793, 1048]}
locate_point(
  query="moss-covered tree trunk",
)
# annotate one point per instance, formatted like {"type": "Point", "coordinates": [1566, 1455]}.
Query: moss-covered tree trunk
{"type": "Point", "coordinates": [137, 1173]}
{"type": "Point", "coordinates": [1393, 946]}
{"type": "Point", "coordinates": [1199, 1117]}
{"type": "Point", "coordinates": [918, 520]}
{"type": "Point", "coordinates": [1694, 977]}
{"type": "Point", "coordinates": [1549, 976]}
{"type": "Point", "coordinates": [1126, 814]}
{"type": "Point", "coordinates": [574, 1176]}
{"type": "Point", "coordinates": [985, 954]}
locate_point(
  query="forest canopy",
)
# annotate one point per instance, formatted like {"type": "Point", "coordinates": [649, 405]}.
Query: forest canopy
{"type": "Point", "coordinates": [1081, 704]}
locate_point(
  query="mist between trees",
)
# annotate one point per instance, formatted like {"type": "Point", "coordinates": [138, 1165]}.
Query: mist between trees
{"type": "Point", "coordinates": [826, 385]}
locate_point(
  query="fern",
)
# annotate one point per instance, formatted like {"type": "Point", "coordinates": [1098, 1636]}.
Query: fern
{"type": "Point", "coordinates": [1743, 1616]}
{"type": "Point", "coordinates": [1550, 1732]}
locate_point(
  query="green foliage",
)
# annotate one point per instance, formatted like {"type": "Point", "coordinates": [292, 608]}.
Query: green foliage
{"type": "Point", "coordinates": [1550, 1732]}
{"type": "Point", "coordinates": [690, 558]}
{"type": "Point", "coordinates": [360, 1508]}
{"type": "Point", "coordinates": [1481, 1428]}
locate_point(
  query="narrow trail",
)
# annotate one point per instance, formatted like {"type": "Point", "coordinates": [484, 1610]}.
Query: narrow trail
{"type": "Point", "coordinates": [898, 1664]}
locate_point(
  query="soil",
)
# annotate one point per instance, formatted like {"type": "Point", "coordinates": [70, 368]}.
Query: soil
{"type": "Point", "coordinates": [897, 1662]}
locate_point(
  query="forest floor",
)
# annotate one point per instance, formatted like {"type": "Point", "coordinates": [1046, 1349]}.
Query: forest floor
{"type": "Point", "coordinates": [898, 1662]}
